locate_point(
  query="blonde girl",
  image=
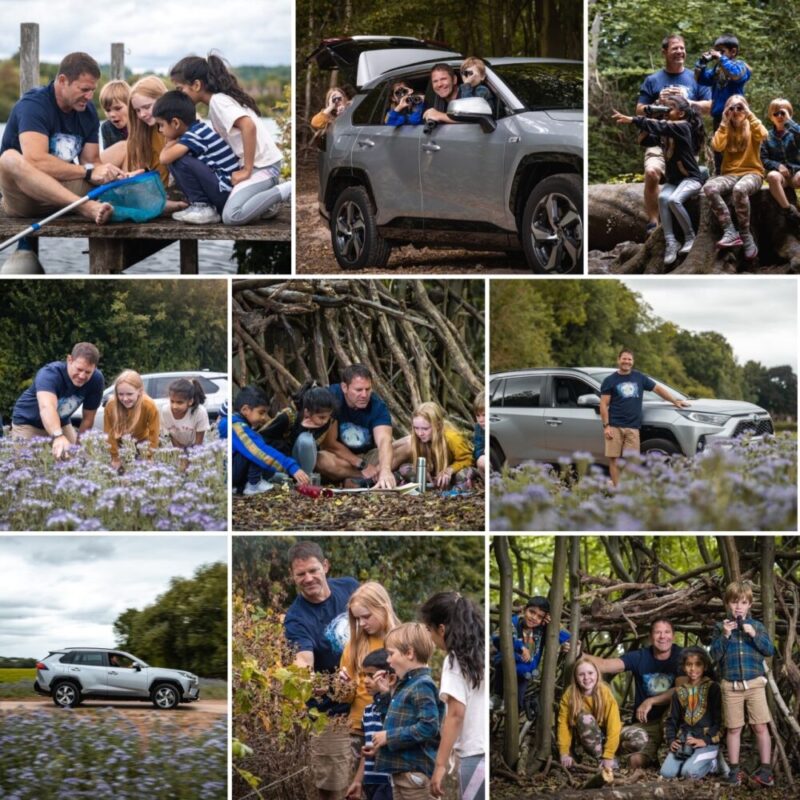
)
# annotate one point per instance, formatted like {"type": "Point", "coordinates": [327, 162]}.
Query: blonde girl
{"type": "Point", "coordinates": [371, 617]}
{"type": "Point", "coordinates": [336, 101]}
{"type": "Point", "coordinates": [738, 138]}
{"type": "Point", "coordinates": [589, 710]}
{"type": "Point", "coordinates": [780, 154]}
{"type": "Point", "coordinates": [130, 412]}
{"type": "Point", "coordinates": [447, 451]}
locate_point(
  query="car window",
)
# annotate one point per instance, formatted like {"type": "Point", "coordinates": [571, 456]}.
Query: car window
{"type": "Point", "coordinates": [90, 659]}
{"type": "Point", "coordinates": [120, 660]}
{"type": "Point", "coordinates": [374, 108]}
{"type": "Point", "coordinates": [544, 86]}
{"type": "Point", "coordinates": [67, 658]}
{"type": "Point", "coordinates": [566, 391]}
{"type": "Point", "coordinates": [496, 393]}
{"type": "Point", "coordinates": [524, 392]}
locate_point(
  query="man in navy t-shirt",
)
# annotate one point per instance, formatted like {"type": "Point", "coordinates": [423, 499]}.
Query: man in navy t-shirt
{"type": "Point", "coordinates": [621, 396]}
{"type": "Point", "coordinates": [57, 391]}
{"type": "Point", "coordinates": [655, 670]}
{"type": "Point", "coordinates": [317, 624]}
{"type": "Point", "coordinates": [50, 153]}
{"type": "Point", "coordinates": [673, 79]}
{"type": "Point", "coordinates": [360, 448]}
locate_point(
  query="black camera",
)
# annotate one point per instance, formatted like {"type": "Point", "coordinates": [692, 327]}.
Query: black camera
{"type": "Point", "coordinates": [656, 111]}
{"type": "Point", "coordinates": [684, 751]}
{"type": "Point", "coordinates": [336, 100]}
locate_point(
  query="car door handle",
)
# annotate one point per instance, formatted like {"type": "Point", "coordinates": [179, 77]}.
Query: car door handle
{"type": "Point", "coordinates": [513, 139]}
{"type": "Point", "coordinates": [366, 143]}
{"type": "Point", "coordinates": [74, 669]}
{"type": "Point", "coordinates": [553, 421]}
{"type": "Point", "coordinates": [494, 419]}
{"type": "Point", "coordinates": [113, 672]}
{"type": "Point", "coordinates": [431, 148]}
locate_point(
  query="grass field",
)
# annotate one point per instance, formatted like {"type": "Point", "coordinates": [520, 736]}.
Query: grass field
{"type": "Point", "coordinates": [17, 683]}
{"type": "Point", "coordinates": [14, 675]}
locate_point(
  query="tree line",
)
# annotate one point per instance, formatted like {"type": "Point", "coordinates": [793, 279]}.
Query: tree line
{"type": "Point", "coordinates": [571, 323]}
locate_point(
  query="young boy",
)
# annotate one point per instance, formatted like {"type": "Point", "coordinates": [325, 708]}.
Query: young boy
{"type": "Point", "coordinates": [379, 680]}
{"type": "Point", "coordinates": [407, 746]}
{"type": "Point", "coordinates": [479, 435]}
{"type": "Point", "coordinates": [198, 158]}
{"type": "Point", "coordinates": [254, 461]}
{"type": "Point", "coordinates": [739, 647]}
{"type": "Point", "coordinates": [473, 76]}
{"type": "Point", "coordinates": [114, 99]}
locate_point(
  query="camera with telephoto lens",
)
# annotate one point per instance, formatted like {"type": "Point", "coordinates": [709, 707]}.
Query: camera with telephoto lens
{"type": "Point", "coordinates": [656, 111]}
{"type": "Point", "coordinates": [337, 100]}
{"type": "Point", "coordinates": [685, 750]}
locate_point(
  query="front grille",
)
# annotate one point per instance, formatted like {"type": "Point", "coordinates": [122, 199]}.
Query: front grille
{"type": "Point", "coordinates": [758, 427]}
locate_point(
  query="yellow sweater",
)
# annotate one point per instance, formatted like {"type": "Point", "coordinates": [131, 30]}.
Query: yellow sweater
{"type": "Point", "coordinates": [459, 451]}
{"type": "Point", "coordinates": [748, 161]}
{"type": "Point", "coordinates": [146, 428]}
{"type": "Point", "coordinates": [610, 723]}
{"type": "Point", "coordinates": [362, 698]}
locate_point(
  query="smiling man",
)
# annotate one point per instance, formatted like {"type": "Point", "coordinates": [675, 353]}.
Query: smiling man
{"type": "Point", "coordinates": [445, 85]}
{"type": "Point", "coordinates": [59, 388]}
{"type": "Point", "coordinates": [621, 399]}
{"type": "Point", "coordinates": [50, 152]}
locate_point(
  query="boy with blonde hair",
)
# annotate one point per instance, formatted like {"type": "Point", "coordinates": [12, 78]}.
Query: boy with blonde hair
{"type": "Point", "coordinates": [406, 748]}
{"type": "Point", "coordinates": [473, 77]}
{"type": "Point", "coordinates": [739, 647]}
{"type": "Point", "coordinates": [114, 99]}
{"type": "Point", "coordinates": [479, 434]}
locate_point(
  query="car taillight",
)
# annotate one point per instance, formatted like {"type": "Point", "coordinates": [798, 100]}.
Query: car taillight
{"type": "Point", "coordinates": [41, 665]}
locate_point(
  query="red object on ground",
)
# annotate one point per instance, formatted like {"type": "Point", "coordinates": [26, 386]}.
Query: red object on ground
{"type": "Point", "coordinates": [314, 492]}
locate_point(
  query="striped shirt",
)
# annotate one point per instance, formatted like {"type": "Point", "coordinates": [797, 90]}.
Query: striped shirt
{"type": "Point", "coordinates": [372, 723]}
{"type": "Point", "coordinates": [206, 145]}
{"type": "Point", "coordinates": [249, 443]}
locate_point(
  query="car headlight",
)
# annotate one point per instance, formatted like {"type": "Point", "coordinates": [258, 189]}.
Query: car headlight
{"type": "Point", "coordinates": [706, 419]}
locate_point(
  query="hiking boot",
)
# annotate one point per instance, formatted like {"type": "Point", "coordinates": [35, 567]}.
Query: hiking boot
{"type": "Point", "coordinates": [650, 227]}
{"type": "Point", "coordinates": [735, 777]}
{"type": "Point", "coordinates": [763, 778]}
{"type": "Point", "coordinates": [730, 238]}
{"type": "Point", "coordinates": [687, 246]}
{"type": "Point", "coordinates": [198, 214]}
{"type": "Point", "coordinates": [750, 246]}
{"type": "Point", "coordinates": [257, 488]}
{"type": "Point", "coordinates": [670, 252]}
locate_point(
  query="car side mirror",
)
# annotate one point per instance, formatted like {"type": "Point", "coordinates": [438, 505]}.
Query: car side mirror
{"type": "Point", "coordinates": [589, 401]}
{"type": "Point", "coordinates": [472, 109]}
{"type": "Point", "coordinates": [137, 666]}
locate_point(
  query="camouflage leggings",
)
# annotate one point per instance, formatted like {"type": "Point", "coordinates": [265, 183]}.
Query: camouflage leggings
{"type": "Point", "coordinates": [590, 735]}
{"type": "Point", "coordinates": [741, 187]}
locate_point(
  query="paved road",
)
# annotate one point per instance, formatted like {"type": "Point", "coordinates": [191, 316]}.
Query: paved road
{"type": "Point", "coordinates": [217, 707]}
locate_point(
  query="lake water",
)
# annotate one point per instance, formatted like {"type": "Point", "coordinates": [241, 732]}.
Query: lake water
{"type": "Point", "coordinates": [70, 256]}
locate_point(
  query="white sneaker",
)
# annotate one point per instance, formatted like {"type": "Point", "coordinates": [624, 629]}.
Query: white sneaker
{"type": "Point", "coordinates": [257, 488]}
{"type": "Point", "coordinates": [687, 246]}
{"type": "Point", "coordinates": [198, 214]}
{"type": "Point", "coordinates": [670, 252]}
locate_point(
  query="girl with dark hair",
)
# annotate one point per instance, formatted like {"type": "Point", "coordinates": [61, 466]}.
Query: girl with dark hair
{"type": "Point", "coordinates": [234, 115]}
{"type": "Point", "coordinates": [185, 419]}
{"type": "Point", "coordinates": [456, 627]}
{"type": "Point", "coordinates": [682, 138]}
{"type": "Point", "coordinates": [301, 431]}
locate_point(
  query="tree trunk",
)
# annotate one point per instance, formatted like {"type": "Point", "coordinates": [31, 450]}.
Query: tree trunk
{"type": "Point", "coordinates": [508, 665]}
{"type": "Point", "coordinates": [545, 721]}
{"type": "Point", "coordinates": [574, 604]}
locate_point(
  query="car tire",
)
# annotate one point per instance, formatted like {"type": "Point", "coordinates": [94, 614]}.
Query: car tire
{"type": "Point", "coordinates": [497, 458]}
{"type": "Point", "coordinates": [354, 232]}
{"type": "Point", "coordinates": [664, 446]}
{"type": "Point", "coordinates": [66, 694]}
{"type": "Point", "coordinates": [552, 226]}
{"type": "Point", "coordinates": [165, 696]}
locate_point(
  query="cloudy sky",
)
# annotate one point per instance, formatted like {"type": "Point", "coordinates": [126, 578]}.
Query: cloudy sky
{"type": "Point", "coordinates": [62, 591]}
{"type": "Point", "coordinates": [155, 33]}
{"type": "Point", "coordinates": [757, 317]}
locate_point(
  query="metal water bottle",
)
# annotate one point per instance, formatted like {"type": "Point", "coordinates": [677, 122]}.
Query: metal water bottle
{"type": "Point", "coordinates": [421, 474]}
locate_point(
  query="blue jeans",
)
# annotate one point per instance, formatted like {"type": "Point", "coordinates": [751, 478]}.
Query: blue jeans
{"type": "Point", "coordinates": [698, 765]}
{"type": "Point", "coordinates": [245, 471]}
{"type": "Point", "coordinates": [198, 182]}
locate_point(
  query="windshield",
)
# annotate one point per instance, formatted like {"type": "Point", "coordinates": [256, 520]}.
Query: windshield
{"type": "Point", "coordinates": [601, 374]}
{"type": "Point", "coordinates": [544, 86]}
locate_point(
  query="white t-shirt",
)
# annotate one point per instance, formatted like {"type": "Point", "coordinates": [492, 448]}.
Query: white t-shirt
{"type": "Point", "coordinates": [184, 430]}
{"type": "Point", "coordinates": [471, 741]}
{"type": "Point", "coordinates": [223, 111]}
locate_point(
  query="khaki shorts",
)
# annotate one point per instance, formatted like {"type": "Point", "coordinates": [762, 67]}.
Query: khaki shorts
{"type": "Point", "coordinates": [29, 432]}
{"type": "Point", "coordinates": [624, 440]}
{"type": "Point", "coordinates": [754, 699]}
{"type": "Point", "coordinates": [654, 159]}
{"type": "Point", "coordinates": [17, 204]}
{"type": "Point", "coordinates": [632, 733]}
{"type": "Point", "coordinates": [411, 786]}
{"type": "Point", "coordinates": [332, 760]}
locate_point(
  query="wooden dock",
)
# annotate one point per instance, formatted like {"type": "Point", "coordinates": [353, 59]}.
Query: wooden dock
{"type": "Point", "coordinates": [116, 246]}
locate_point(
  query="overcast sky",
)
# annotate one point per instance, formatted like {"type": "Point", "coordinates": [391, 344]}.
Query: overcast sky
{"type": "Point", "coordinates": [757, 317]}
{"type": "Point", "coordinates": [155, 33]}
{"type": "Point", "coordinates": [66, 591]}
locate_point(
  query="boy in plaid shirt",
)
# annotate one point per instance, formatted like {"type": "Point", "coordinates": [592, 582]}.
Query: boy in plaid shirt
{"type": "Point", "coordinates": [406, 748]}
{"type": "Point", "coordinates": [739, 647]}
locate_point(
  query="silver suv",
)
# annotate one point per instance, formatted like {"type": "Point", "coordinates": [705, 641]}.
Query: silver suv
{"type": "Point", "coordinates": [508, 179]}
{"type": "Point", "coordinates": [548, 414]}
{"type": "Point", "coordinates": [73, 674]}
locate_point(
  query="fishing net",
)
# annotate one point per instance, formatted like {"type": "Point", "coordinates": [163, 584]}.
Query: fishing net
{"type": "Point", "coordinates": [136, 199]}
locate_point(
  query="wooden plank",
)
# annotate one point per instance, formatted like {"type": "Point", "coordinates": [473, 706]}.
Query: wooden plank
{"type": "Point", "coordinates": [190, 263]}
{"type": "Point", "coordinates": [28, 56]}
{"type": "Point", "coordinates": [117, 61]}
{"type": "Point", "coordinates": [114, 255]}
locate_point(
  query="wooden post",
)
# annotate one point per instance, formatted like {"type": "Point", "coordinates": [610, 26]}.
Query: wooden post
{"type": "Point", "coordinates": [28, 56]}
{"type": "Point", "coordinates": [117, 61]}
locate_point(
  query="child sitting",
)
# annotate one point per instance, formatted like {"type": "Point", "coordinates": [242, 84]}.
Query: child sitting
{"type": "Point", "coordinates": [479, 434]}
{"type": "Point", "coordinates": [693, 727]}
{"type": "Point", "coordinates": [379, 680]}
{"type": "Point", "coordinates": [739, 646]}
{"type": "Point", "coordinates": [254, 461]}
{"type": "Point", "coordinates": [590, 711]}
{"type": "Point", "coordinates": [114, 98]}
{"type": "Point", "coordinates": [407, 746]}
{"type": "Point", "coordinates": [473, 76]}
{"type": "Point", "coordinates": [446, 450]}
{"type": "Point", "coordinates": [198, 158]}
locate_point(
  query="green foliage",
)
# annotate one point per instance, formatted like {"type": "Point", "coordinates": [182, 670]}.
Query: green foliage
{"type": "Point", "coordinates": [185, 628]}
{"type": "Point", "coordinates": [149, 326]}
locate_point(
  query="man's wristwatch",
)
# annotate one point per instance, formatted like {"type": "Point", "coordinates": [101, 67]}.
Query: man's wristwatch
{"type": "Point", "coordinates": [56, 433]}
{"type": "Point", "coordinates": [88, 172]}
{"type": "Point", "coordinates": [362, 465]}
{"type": "Point", "coordinates": [606, 424]}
